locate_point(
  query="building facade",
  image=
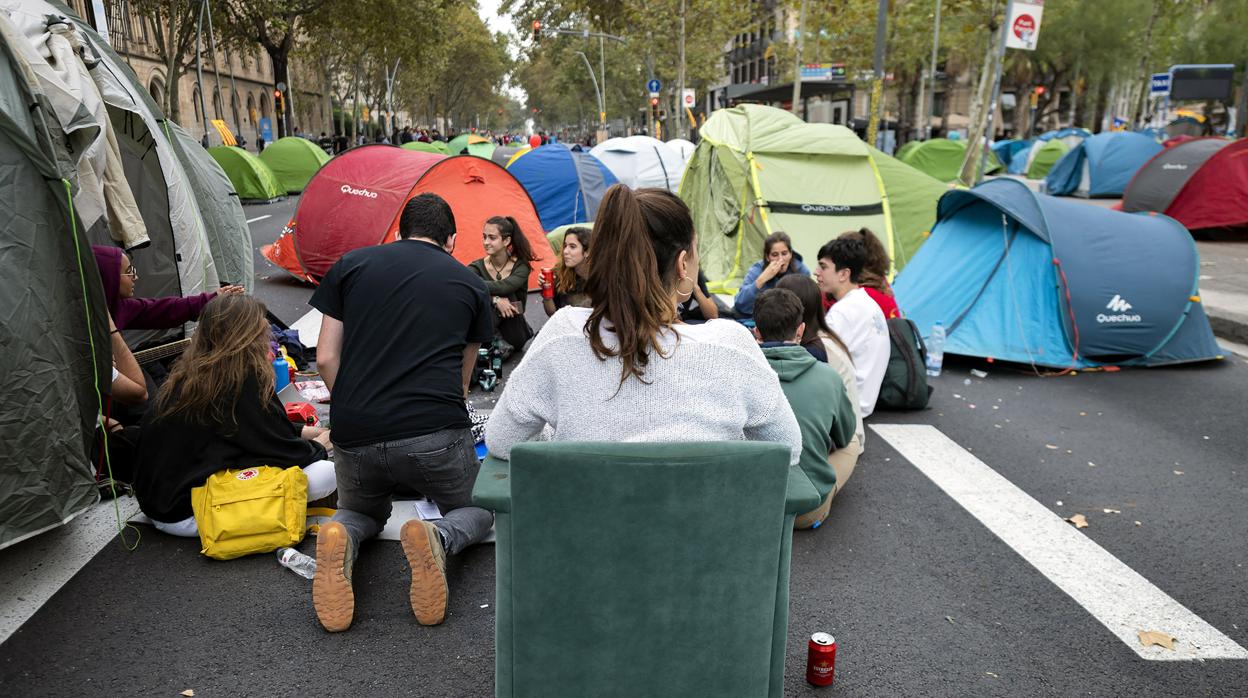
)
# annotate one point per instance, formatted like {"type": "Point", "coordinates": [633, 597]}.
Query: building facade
{"type": "Point", "coordinates": [237, 89]}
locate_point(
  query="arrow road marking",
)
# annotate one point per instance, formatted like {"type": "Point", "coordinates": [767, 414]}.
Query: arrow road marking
{"type": "Point", "coordinates": [1116, 595]}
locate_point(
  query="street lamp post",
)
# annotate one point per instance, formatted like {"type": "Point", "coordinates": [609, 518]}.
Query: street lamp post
{"type": "Point", "coordinates": [931, 106]}
{"type": "Point", "coordinates": [602, 62]}
{"type": "Point", "coordinates": [602, 110]}
{"type": "Point", "coordinates": [797, 59]}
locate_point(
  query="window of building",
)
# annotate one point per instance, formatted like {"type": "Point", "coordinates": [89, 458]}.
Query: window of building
{"type": "Point", "coordinates": [199, 115]}
{"type": "Point", "coordinates": [156, 88]}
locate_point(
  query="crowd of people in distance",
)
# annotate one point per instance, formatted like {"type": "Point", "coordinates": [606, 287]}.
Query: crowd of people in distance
{"type": "Point", "coordinates": [635, 348]}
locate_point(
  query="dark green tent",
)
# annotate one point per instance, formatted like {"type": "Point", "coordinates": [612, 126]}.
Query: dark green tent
{"type": "Point", "coordinates": [434, 147]}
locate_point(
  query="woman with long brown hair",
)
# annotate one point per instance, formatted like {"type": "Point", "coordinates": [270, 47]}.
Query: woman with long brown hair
{"type": "Point", "coordinates": [570, 272]}
{"type": "Point", "coordinates": [505, 269]}
{"type": "Point", "coordinates": [218, 410]}
{"type": "Point", "coordinates": [626, 369]}
{"type": "Point", "coordinates": [779, 260]}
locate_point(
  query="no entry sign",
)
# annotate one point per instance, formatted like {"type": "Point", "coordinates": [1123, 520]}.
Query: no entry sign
{"type": "Point", "coordinates": [1023, 25]}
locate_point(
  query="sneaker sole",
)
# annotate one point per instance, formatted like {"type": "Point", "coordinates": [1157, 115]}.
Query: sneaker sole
{"type": "Point", "coordinates": [428, 592]}
{"type": "Point", "coordinates": [332, 596]}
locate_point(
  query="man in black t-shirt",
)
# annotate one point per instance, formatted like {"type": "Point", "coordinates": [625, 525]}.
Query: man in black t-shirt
{"type": "Point", "coordinates": [399, 339]}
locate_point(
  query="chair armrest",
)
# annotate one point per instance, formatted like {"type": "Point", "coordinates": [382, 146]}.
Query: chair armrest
{"type": "Point", "coordinates": [493, 487]}
{"type": "Point", "coordinates": [802, 496]}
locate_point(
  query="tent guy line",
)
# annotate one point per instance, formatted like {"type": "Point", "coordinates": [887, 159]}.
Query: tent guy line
{"type": "Point", "coordinates": [1117, 596]}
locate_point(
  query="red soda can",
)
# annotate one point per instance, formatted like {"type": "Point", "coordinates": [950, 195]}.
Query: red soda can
{"type": "Point", "coordinates": [821, 659]}
{"type": "Point", "coordinates": [548, 276]}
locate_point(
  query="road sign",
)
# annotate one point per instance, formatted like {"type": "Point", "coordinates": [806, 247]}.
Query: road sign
{"type": "Point", "coordinates": [688, 98]}
{"type": "Point", "coordinates": [266, 129]}
{"type": "Point", "coordinates": [1159, 86]}
{"type": "Point", "coordinates": [654, 86]}
{"type": "Point", "coordinates": [281, 86]}
{"type": "Point", "coordinates": [1209, 82]}
{"type": "Point", "coordinates": [1024, 24]}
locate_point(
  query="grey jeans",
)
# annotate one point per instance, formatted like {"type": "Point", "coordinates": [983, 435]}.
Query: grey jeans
{"type": "Point", "coordinates": [443, 466]}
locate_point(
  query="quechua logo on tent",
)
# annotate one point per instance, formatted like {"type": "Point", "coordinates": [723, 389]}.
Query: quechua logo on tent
{"type": "Point", "coordinates": [348, 189]}
{"type": "Point", "coordinates": [1118, 305]}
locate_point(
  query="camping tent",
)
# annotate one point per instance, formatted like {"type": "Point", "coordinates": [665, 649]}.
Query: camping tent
{"type": "Point", "coordinates": [1025, 277]}
{"type": "Point", "coordinates": [759, 170]}
{"type": "Point", "coordinates": [566, 183]}
{"type": "Point", "coordinates": [682, 147]}
{"type": "Point", "coordinates": [1044, 153]}
{"type": "Point", "coordinates": [1101, 165]}
{"type": "Point", "coordinates": [940, 157]}
{"type": "Point", "coordinates": [252, 179]}
{"type": "Point", "coordinates": [160, 170]}
{"type": "Point", "coordinates": [293, 161]}
{"type": "Point", "coordinates": [1202, 183]}
{"type": "Point", "coordinates": [55, 328]}
{"type": "Point", "coordinates": [471, 144]}
{"type": "Point", "coordinates": [357, 198]}
{"type": "Point", "coordinates": [1007, 150]}
{"type": "Point", "coordinates": [504, 153]}
{"type": "Point", "coordinates": [431, 147]}
{"type": "Point", "coordinates": [641, 161]}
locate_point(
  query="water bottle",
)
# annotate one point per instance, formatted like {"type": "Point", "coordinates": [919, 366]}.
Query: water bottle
{"type": "Point", "coordinates": [936, 350]}
{"type": "Point", "coordinates": [297, 562]}
{"type": "Point", "coordinates": [281, 373]}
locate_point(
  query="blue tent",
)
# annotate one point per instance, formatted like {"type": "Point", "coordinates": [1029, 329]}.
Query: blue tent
{"type": "Point", "coordinates": [564, 182]}
{"type": "Point", "coordinates": [1019, 276]}
{"type": "Point", "coordinates": [1101, 165]}
{"type": "Point", "coordinates": [1007, 149]}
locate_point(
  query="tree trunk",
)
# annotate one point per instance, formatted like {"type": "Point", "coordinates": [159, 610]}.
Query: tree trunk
{"type": "Point", "coordinates": [281, 73]}
{"type": "Point", "coordinates": [173, 93]}
{"type": "Point", "coordinates": [980, 107]}
{"type": "Point", "coordinates": [1145, 72]}
{"type": "Point", "coordinates": [1102, 100]}
{"type": "Point", "coordinates": [327, 104]}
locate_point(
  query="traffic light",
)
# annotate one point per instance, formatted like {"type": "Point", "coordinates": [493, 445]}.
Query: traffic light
{"type": "Point", "coordinates": [1039, 89]}
{"type": "Point", "coordinates": [537, 31]}
{"type": "Point", "coordinates": [279, 101]}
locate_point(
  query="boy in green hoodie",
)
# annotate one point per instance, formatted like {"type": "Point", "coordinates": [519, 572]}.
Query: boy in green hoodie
{"type": "Point", "coordinates": [814, 389]}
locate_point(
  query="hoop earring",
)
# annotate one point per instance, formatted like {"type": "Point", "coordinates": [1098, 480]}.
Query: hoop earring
{"type": "Point", "coordinates": [684, 295]}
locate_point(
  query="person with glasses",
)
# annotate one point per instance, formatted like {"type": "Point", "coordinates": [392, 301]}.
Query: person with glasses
{"type": "Point", "coordinates": [119, 274]}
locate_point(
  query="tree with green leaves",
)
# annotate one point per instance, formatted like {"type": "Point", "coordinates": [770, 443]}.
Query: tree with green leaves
{"type": "Point", "coordinates": [172, 27]}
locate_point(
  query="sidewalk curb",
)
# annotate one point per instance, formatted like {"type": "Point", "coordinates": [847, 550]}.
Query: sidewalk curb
{"type": "Point", "coordinates": [1233, 326]}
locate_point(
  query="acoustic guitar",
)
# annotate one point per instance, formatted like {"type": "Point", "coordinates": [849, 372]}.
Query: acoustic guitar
{"type": "Point", "coordinates": [163, 351]}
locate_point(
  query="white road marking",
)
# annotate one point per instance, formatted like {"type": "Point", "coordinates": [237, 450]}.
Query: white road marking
{"type": "Point", "coordinates": [259, 218]}
{"type": "Point", "coordinates": [1116, 595]}
{"type": "Point", "coordinates": [32, 571]}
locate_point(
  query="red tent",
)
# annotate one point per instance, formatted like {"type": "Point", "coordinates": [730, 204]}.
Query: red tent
{"type": "Point", "coordinates": [1217, 195]}
{"type": "Point", "coordinates": [355, 200]}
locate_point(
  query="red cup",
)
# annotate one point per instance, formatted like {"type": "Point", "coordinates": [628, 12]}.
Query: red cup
{"type": "Point", "coordinates": [548, 282]}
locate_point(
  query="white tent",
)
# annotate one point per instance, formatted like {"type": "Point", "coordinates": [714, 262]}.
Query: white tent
{"type": "Point", "coordinates": [683, 148]}
{"type": "Point", "coordinates": [641, 161]}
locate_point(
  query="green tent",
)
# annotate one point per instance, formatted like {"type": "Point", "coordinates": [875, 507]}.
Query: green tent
{"type": "Point", "coordinates": [940, 158]}
{"type": "Point", "coordinates": [434, 147]}
{"type": "Point", "coordinates": [252, 179]}
{"type": "Point", "coordinates": [1045, 157]}
{"type": "Point", "coordinates": [475, 145]}
{"type": "Point", "coordinates": [760, 170]}
{"type": "Point", "coordinates": [55, 328]}
{"type": "Point", "coordinates": [555, 237]}
{"type": "Point", "coordinates": [293, 161]}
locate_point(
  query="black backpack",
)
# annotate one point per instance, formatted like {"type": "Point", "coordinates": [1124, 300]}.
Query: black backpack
{"type": "Point", "coordinates": [905, 380]}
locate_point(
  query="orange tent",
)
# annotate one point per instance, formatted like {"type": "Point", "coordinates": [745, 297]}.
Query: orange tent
{"type": "Point", "coordinates": [355, 200]}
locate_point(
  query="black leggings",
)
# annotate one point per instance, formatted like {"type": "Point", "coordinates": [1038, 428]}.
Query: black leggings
{"type": "Point", "coordinates": [514, 330]}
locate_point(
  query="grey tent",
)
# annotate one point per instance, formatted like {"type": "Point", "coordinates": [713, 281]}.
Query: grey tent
{"type": "Point", "coordinates": [54, 329]}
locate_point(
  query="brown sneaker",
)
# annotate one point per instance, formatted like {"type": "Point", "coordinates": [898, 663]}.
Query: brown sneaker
{"type": "Point", "coordinates": [423, 546]}
{"type": "Point", "coordinates": [332, 596]}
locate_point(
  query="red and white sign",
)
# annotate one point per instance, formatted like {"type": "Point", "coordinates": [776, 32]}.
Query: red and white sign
{"type": "Point", "coordinates": [1023, 24]}
{"type": "Point", "coordinates": [688, 99]}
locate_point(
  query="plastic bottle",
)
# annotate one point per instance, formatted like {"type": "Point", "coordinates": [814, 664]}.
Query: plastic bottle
{"type": "Point", "coordinates": [936, 350]}
{"type": "Point", "coordinates": [297, 562]}
{"type": "Point", "coordinates": [281, 373]}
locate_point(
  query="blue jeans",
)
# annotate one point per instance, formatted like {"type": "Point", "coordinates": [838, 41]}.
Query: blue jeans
{"type": "Point", "coordinates": [443, 466]}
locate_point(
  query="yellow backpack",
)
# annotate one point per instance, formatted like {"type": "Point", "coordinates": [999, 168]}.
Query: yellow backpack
{"type": "Point", "coordinates": [252, 510]}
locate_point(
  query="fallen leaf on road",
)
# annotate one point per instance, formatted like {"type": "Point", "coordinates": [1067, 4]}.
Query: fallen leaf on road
{"type": "Point", "coordinates": [1051, 447]}
{"type": "Point", "coordinates": [998, 426]}
{"type": "Point", "coordinates": [1137, 523]}
{"type": "Point", "coordinates": [949, 618]}
{"type": "Point", "coordinates": [1206, 438]}
{"type": "Point", "coordinates": [1091, 464]}
{"type": "Point", "coordinates": [1079, 520]}
{"type": "Point", "coordinates": [1178, 472]}
{"type": "Point", "coordinates": [992, 674]}
{"type": "Point", "coordinates": [1059, 502]}
{"type": "Point", "coordinates": [1083, 414]}
{"type": "Point", "coordinates": [971, 406]}
{"type": "Point", "coordinates": [1112, 511]}
{"type": "Point", "coordinates": [188, 693]}
{"type": "Point", "coordinates": [1156, 637]}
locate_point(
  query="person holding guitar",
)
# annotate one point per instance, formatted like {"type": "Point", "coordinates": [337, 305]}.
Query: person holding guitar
{"type": "Point", "coordinates": [118, 274]}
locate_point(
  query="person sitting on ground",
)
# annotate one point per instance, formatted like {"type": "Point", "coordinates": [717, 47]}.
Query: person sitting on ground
{"type": "Point", "coordinates": [505, 270]}
{"type": "Point", "coordinates": [699, 307]}
{"type": "Point", "coordinates": [626, 369]}
{"type": "Point", "coordinates": [778, 260]}
{"type": "Point", "coordinates": [118, 275]}
{"type": "Point", "coordinates": [128, 388]}
{"type": "Point", "coordinates": [855, 318]}
{"type": "Point", "coordinates": [837, 356]}
{"type": "Point", "coordinates": [570, 272]}
{"type": "Point", "coordinates": [874, 273]}
{"type": "Point", "coordinates": [219, 410]}
{"type": "Point", "coordinates": [815, 392]}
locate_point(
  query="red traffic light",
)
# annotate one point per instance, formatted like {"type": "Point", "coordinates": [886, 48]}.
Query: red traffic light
{"type": "Point", "coordinates": [1040, 89]}
{"type": "Point", "coordinates": [537, 26]}
{"type": "Point", "coordinates": [654, 101]}
{"type": "Point", "coordinates": [277, 94]}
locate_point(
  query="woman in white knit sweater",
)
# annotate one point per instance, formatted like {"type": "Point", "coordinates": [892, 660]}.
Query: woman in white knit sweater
{"type": "Point", "coordinates": [626, 369]}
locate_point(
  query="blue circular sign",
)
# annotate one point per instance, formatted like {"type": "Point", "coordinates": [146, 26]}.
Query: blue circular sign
{"type": "Point", "coordinates": [654, 85]}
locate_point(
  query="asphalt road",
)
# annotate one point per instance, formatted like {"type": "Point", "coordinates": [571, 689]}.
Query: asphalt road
{"type": "Point", "coordinates": [923, 599]}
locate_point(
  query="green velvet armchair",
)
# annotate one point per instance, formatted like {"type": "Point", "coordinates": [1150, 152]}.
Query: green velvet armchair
{"type": "Point", "coordinates": [628, 569]}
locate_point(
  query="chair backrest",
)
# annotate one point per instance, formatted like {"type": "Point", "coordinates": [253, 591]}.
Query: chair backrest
{"type": "Point", "coordinates": [645, 569]}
